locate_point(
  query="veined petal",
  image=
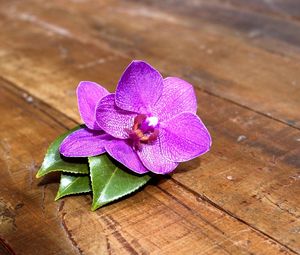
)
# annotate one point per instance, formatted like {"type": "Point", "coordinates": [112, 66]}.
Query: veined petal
{"type": "Point", "coordinates": [112, 119]}
{"type": "Point", "coordinates": [139, 88]}
{"type": "Point", "coordinates": [184, 137]}
{"type": "Point", "coordinates": [84, 143]}
{"type": "Point", "coordinates": [178, 96]}
{"type": "Point", "coordinates": [152, 158]}
{"type": "Point", "coordinates": [122, 152]}
{"type": "Point", "coordinates": [88, 95]}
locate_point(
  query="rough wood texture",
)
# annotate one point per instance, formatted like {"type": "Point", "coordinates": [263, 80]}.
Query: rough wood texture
{"type": "Point", "coordinates": [238, 51]}
{"type": "Point", "coordinates": [243, 58]}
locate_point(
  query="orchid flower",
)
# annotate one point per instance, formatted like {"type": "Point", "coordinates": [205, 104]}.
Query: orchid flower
{"type": "Point", "coordinates": [149, 124]}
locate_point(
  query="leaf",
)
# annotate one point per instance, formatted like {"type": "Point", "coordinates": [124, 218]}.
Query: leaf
{"type": "Point", "coordinates": [53, 161]}
{"type": "Point", "coordinates": [72, 184]}
{"type": "Point", "coordinates": [110, 182]}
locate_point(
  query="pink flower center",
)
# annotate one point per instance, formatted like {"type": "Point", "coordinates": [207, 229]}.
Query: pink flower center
{"type": "Point", "coordinates": [144, 130]}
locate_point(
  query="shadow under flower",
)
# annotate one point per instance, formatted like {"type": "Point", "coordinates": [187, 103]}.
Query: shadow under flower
{"type": "Point", "coordinates": [187, 166]}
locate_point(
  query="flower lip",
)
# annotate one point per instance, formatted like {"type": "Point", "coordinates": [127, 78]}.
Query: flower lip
{"type": "Point", "coordinates": [148, 124]}
{"type": "Point", "coordinates": [144, 130]}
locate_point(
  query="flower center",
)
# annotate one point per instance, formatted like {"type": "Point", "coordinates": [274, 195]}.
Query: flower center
{"type": "Point", "coordinates": [144, 130]}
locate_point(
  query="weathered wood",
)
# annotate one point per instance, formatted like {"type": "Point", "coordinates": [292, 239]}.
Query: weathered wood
{"type": "Point", "coordinates": [215, 57]}
{"type": "Point", "coordinates": [29, 222]}
{"type": "Point", "coordinates": [266, 146]}
{"type": "Point", "coordinates": [163, 219]}
{"type": "Point", "coordinates": [250, 179]}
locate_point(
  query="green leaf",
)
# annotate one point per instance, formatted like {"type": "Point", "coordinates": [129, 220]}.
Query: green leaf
{"type": "Point", "coordinates": [53, 161]}
{"type": "Point", "coordinates": [110, 181]}
{"type": "Point", "coordinates": [72, 184]}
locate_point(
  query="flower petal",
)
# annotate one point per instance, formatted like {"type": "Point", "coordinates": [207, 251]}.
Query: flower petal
{"type": "Point", "coordinates": [88, 95]}
{"type": "Point", "coordinates": [152, 158]}
{"type": "Point", "coordinates": [84, 143]}
{"type": "Point", "coordinates": [139, 88]}
{"type": "Point", "coordinates": [112, 119]}
{"type": "Point", "coordinates": [122, 152]}
{"type": "Point", "coordinates": [178, 96]}
{"type": "Point", "coordinates": [184, 137]}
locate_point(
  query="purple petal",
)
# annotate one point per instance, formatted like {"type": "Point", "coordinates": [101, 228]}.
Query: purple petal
{"type": "Point", "coordinates": [112, 119]}
{"type": "Point", "coordinates": [184, 137]}
{"type": "Point", "coordinates": [84, 143]}
{"type": "Point", "coordinates": [178, 96]}
{"type": "Point", "coordinates": [139, 88]}
{"type": "Point", "coordinates": [122, 152]}
{"type": "Point", "coordinates": [152, 158]}
{"type": "Point", "coordinates": [88, 95]}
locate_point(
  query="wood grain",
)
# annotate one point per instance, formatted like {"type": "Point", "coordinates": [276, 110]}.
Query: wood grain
{"type": "Point", "coordinates": [183, 222]}
{"type": "Point", "coordinates": [230, 58]}
{"type": "Point", "coordinates": [29, 222]}
{"type": "Point", "coordinates": [241, 198]}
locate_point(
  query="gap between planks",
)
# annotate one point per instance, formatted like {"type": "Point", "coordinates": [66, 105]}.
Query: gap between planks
{"type": "Point", "coordinates": [50, 111]}
{"type": "Point", "coordinates": [227, 212]}
{"type": "Point", "coordinates": [247, 108]}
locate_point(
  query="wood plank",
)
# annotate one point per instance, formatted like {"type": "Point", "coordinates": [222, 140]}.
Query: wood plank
{"type": "Point", "coordinates": [28, 216]}
{"type": "Point", "coordinates": [162, 219]}
{"type": "Point", "coordinates": [43, 67]}
{"type": "Point", "coordinates": [270, 152]}
{"type": "Point", "coordinates": [226, 64]}
{"type": "Point", "coordinates": [269, 25]}
{"type": "Point", "coordinates": [284, 9]}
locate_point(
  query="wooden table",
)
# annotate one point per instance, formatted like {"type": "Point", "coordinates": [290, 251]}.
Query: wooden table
{"type": "Point", "coordinates": [243, 58]}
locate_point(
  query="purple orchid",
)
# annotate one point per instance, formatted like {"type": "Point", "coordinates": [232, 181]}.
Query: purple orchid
{"type": "Point", "coordinates": [149, 124]}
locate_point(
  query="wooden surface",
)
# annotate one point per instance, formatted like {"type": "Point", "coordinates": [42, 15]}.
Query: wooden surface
{"type": "Point", "coordinates": [243, 57]}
